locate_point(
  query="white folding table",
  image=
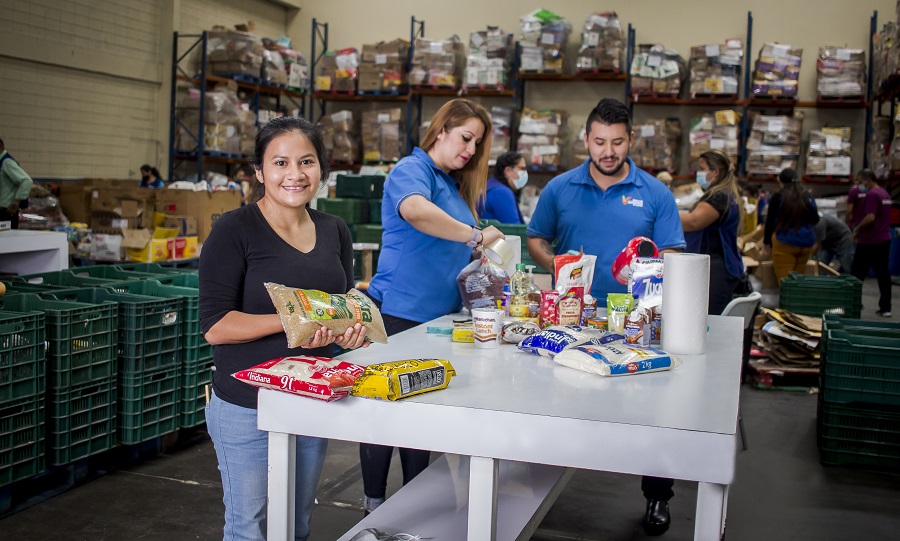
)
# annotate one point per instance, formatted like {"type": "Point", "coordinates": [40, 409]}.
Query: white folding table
{"type": "Point", "coordinates": [505, 405]}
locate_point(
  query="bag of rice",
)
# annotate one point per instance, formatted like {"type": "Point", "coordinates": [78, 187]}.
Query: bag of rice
{"type": "Point", "coordinates": [616, 359]}
{"type": "Point", "coordinates": [400, 379]}
{"type": "Point", "coordinates": [315, 377]}
{"type": "Point", "coordinates": [305, 311]}
{"type": "Point", "coordinates": [552, 340]}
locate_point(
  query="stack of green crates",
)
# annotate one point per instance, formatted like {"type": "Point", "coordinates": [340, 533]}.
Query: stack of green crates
{"type": "Point", "coordinates": [519, 231]}
{"type": "Point", "coordinates": [196, 359]}
{"type": "Point", "coordinates": [149, 348]}
{"type": "Point", "coordinates": [22, 383]}
{"type": "Point", "coordinates": [816, 295]}
{"type": "Point", "coordinates": [858, 420]}
{"type": "Point", "coordinates": [358, 203]}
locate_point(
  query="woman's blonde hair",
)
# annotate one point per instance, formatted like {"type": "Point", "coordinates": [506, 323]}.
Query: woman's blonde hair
{"type": "Point", "coordinates": [473, 176]}
{"type": "Point", "coordinates": [726, 182]}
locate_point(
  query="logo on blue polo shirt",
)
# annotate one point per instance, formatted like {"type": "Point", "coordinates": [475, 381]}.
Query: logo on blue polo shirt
{"type": "Point", "coordinates": [628, 200]}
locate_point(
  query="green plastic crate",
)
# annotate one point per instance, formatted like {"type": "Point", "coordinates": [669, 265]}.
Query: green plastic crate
{"type": "Point", "coordinates": [861, 368]}
{"type": "Point", "coordinates": [154, 268]}
{"type": "Point", "coordinates": [65, 278]}
{"type": "Point", "coordinates": [191, 310]}
{"type": "Point", "coordinates": [21, 439]}
{"type": "Point", "coordinates": [22, 361]}
{"type": "Point", "coordinates": [352, 211]}
{"type": "Point", "coordinates": [857, 436]}
{"type": "Point", "coordinates": [192, 398]}
{"type": "Point", "coordinates": [82, 338]}
{"type": "Point", "coordinates": [147, 404]}
{"type": "Point", "coordinates": [817, 295]}
{"type": "Point", "coordinates": [375, 211]}
{"type": "Point", "coordinates": [368, 233]}
{"type": "Point", "coordinates": [113, 273]}
{"type": "Point", "coordinates": [21, 286]}
{"type": "Point", "coordinates": [81, 421]}
{"type": "Point", "coordinates": [150, 328]}
{"type": "Point", "coordinates": [357, 186]}
{"type": "Point", "coordinates": [357, 263]}
{"type": "Point", "coordinates": [180, 280]}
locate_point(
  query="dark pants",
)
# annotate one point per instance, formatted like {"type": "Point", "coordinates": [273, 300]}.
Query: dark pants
{"type": "Point", "coordinates": [721, 285]}
{"type": "Point", "coordinates": [375, 460]}
{"type": "Point", "coordinates": [657, 488]}
{"type": "Point", "coordinates": [875, 256]}
{"type": "Point", "coordinates": [13, 217]}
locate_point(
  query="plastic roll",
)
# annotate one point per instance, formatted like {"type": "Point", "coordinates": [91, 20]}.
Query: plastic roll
{"type": "Point", "coordinates": [499, 252]}
{"type": "Point", "coordinates": [685, 303]}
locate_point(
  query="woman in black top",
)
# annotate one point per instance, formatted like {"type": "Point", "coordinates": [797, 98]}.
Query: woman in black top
{"type": "Point", "coordinates": [278, 238]}
{"type": "Point", "coordinates": [712, 225]}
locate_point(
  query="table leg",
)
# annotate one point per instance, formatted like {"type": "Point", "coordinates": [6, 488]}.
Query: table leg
{"type": "Point", "coordinates": [483, 479]}
{"type": "Point", "coordinates": [282, 485]}
{"type": "Point", "coordinates": [710, 520]}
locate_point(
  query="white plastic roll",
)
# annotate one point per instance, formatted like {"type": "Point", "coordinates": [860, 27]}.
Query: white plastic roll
{"type": "Point", "coordinates": [515, 243]}
{"type": "Point", "coordinates": [685, 303]}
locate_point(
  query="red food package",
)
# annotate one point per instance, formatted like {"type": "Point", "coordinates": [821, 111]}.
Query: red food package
{"type": "Point", "coordinates": [549, 308]}
{"type": "Point", "coordinates": [315, 377]}
{"type": "Point", "coordinates": [570, 306]}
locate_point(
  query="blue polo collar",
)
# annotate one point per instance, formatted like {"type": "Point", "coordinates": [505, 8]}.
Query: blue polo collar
{"type": "Point", "coordinates": [422, 155]}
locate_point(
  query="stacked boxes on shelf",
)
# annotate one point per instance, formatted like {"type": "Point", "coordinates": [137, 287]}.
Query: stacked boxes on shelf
{"type": "Point", "coordinates": [777, 70]}
{"type": "Point", "coordinates": [341, 135]}
{"type": "Point", "coordinates": [774, 144]}
{"type": "Point", "coordinates": [656, 145]}
{"type": "Point", "coordinates": [656, 70]}
{"type": "Point", "coordinates": [712, 131]}
{"type": "Point", "coordinates": [542, 43]}
{"type": "Point", "coordinates": [438, 63]}
{"type": "Point", "coordinates": [602, 46]}
{"type": "Point", "coordinates": [383, 67]}
{"type": "Point", "coordinates": [501, 136]}
{"type": "Point", "coordinates": [231, 52]}
{"type": "Point", "coordinates": [716, 68]}
{"type": "Point", "coordinates": [840, 72]}
{"type": "Point", "coordinates": [541, 135]}
{"type": "Point", "coordinates": [829, 153]}
{"type": "Point", "coordinates": [881, 149]}
{"type": "Point", "coordinates": [358, 203]}
{"type": "Point", "coordinates": [489, 61]}
{"type": "Point", "coordinates": [383, 135]}
{"type": "Point", "coordinates": [338, 71]}
{"type": "Point", "coordinates": [858, 421]}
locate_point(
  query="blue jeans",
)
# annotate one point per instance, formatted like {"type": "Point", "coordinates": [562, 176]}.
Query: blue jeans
{"type": "Point", "coordinates": [243, 454]}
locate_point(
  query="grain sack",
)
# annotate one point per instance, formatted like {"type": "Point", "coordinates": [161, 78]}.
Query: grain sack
{"type": "Point", "coordinates": [305, 311]}
{"type": "Point", "coordinates": [616, 359]}
{"type": "Point", "coordinates": [400, 379]}
{"type": "Point", "coordinates": [315, 377]}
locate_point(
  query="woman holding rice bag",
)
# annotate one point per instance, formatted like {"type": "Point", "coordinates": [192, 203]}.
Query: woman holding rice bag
{"type": "Point", "coordinates": [430, 229]}
{"type": "Point", "coordinates": [712, 225]}
{"type": "Point", "coordinates": [277, 238]}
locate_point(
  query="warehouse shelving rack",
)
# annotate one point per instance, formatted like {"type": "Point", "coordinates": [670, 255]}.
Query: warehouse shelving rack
{"type": "Point", "coordinates": [201, 77]}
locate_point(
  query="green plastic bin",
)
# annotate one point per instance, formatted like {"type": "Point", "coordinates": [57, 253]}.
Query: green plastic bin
{"type": "Point", "coordinates": [81, 421]}
{"type": "Point", "coordinates": [375, 211]}
{"type": "Point", "coordinates": [65, 278]}
{"type": "Point", "coordinates": [22, 361]}
{"type": "Point", "coordinates": [368, 233]}
{"type": "Point", "coordinates": [148, 404]}
{"type": "Point", "coordinates": [357, 186]}
{"type": "Point", "coordinates": [352, 211]}
{"type": "Point", "coordinates": [817, 295]}
{"type": "Point", "coordinates": [21, 439]}
{"type": "Point", "coordinates": [858, 436]}
{"type": "Point", "coordinates": [861, 368]}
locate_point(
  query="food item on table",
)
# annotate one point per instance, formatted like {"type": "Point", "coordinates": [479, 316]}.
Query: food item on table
{"type": "Point", "coordinates": [618, 306]}
{"type": "Point", "coordinates": [305, 311]}
{"type": "Point", "coordinates": [574, 270]}
{"type": "Point", "coordinates": [598, 323]}
{"type": "Point", "coordinates": [549, 309]}
{"type": "Point", "coordinates": [481, 284]}
{"type": "Point", "coordinates": [466, 335]}
{"type": "Point", "coordinates": [315, 377]}
{"type": "Point", "coordinates": [570, 304]}
{"type": "Point", "coordinates": [643, 325]}
{"type": "Point", "coordinates": [401, 379]}
{"type": "Point", "coordinates": [552, 340]}
{"type": "Point", "coordinates": [636, 247]}
{"type": "Point", "coordinates": [516, 331]}
{"type": "Point", "coordinates": [616, 359]}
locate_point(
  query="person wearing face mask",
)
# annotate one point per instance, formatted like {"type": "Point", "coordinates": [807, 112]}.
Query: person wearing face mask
{"type": "Point", "coordinates": [429, 220]}
{"type": "Point", "coordinates": [712, 225]}
{"type": "Point", "coordinates": [150, 177]}
{"type": "Point", "coordinates": [499, 202]}
{"type": "Point", "coordinates": [855, 198]}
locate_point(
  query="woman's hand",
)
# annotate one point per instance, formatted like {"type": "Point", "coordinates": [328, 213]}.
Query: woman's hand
{"type": "Point", "coordinates": [322, 338]}
{"type": "Point", "coordinates": [489, 234]}
{"type": "Point", "coordinates": [353, 338]}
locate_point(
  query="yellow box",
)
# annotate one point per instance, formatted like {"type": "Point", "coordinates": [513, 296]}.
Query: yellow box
{"type": "Point", "coordinates": [155, 249]}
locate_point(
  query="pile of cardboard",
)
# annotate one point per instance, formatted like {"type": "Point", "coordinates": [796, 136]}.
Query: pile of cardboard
{"type": "Point", "coordinates": [338, 71]}
{"type": "Point", "coordinates": [341, 134]}
{"type": "Point", "coordinates": [829, 152]}
{"type": "Point", "coordinates": [774, 144]}
{"type": "Point", "coordinates": [542, 42]}
{"type": "Point", "coordinates": [788, 348]}
{"type": "Point", "coordinates": [437, 63]}
{"type": "Point", "coordinates": [540, 135]}
{"type": "Point", "coordinates": [656, 70]}
{"type": "Point", "coordinates": [383, 135]}
{"type": "Point", "coordinates": [716, 68]}
{"type": "Point", "coordinates": [490, 58]}
{"type": "Point", "coordinates": [777, 70]}
{"type": "Point", "coordinates": [656, 144]}
{"type": "Point", "coordinates": [602, 45]}
{"type": "Point", "coordinates": [840, 72]}
{"type": "Point", "coordinates": [383, 66]}
{"type": "Point", "coordinates": [715, 131]}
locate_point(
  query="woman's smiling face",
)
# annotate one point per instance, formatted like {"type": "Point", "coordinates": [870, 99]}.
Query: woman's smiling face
{"type": "Point", "coordinates": [290, 172]}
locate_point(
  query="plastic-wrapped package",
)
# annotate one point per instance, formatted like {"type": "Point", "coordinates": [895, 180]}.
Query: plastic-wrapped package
{"type": "Point", "coordinates": [777, 70]}
{"type": "Point", "coordinates": [501, 139]}
{"type": "Point", "coordinates": [402, 379]}
{"type": "Point", "coordinates": [616, 359]}
{"type": "Point", "coordinates": [656, 70]}
{"type": "Point", "coordinates": [313, 377]}
{"type": "Point", "coordinates": [774, 144]}
{"type": "Point", "coordinates": [230, 52]}
{"type": "Point", "coordinates": [602, 45]}
{"type": "Point", "coordinates": [656, 145]}
{"type": "Point", "coordinates": [273, 70]}
{"type": "Point", "coordinates": [490, 57]}
{"type": "Point", "coordinates": [715, 131]}
{"type": "Point", "coordinates": [337, 71]}
{"type": "Point", "coordinates": [840, 72]}
{"type": "Point", "coordinates": [438, 62]}
{"type": "Point", "coordinates": [716, 68]}
{"type": "Point", "coordinates": [383, 66]}
{"type": "Point", "coordinates": [341, 134]}
{"type": "Point", "coordinates": [552, 340]}
{"type": "Point", "coordinates": [829, 152]}
{"type": "Point", "coordinates": [481, 284]}
{"type": "Point", "coordinates": [383, 135]}
{"type": "Point", "coordinates": [543, 42]}
{"type": "Point", "coordinates": [540, 136]}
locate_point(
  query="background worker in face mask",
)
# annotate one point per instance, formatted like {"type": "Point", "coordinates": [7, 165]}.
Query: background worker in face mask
{"type": "Point", "coordinates": [499, 203]}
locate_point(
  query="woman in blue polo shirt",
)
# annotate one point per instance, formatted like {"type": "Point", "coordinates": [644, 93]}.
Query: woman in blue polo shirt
{"type": "Point", "coordinates": [510, 176]}
{"type": "Point", "coordinates": [429, 220]}
{"type": "Point", "coordinates": [712, 225]}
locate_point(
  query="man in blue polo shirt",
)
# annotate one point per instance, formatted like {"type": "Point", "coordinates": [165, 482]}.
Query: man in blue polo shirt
{"type": "Point", "coordinates": [599, 207]}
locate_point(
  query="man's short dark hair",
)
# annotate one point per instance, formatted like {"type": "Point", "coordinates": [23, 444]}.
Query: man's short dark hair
{"type": "Point", "coordinates": [609, 111]}
{"type": "Point", "coordinates": [867, 175]}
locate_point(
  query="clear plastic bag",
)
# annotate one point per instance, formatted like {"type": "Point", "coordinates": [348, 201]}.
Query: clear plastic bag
{"type": "Point", "coordinates": [481, 284]}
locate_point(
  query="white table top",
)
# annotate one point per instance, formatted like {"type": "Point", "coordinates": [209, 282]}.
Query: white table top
{"type": "Point", "coordinates": [516, 406]}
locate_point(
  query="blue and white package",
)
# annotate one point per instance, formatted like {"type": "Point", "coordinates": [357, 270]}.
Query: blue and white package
{"type": "Point", "coordinates": [552, 340]}
{"type": "Point", "coordinates": [617, 359]}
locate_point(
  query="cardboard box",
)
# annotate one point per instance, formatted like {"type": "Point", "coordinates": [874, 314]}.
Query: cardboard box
{"type": "Point", "coordinates": [185, 225]}
{"type": "Point", "coordinates": [140, 245]}
{"type": "Point", "coordinates": [182, 247]}
{"type": "Point", "coordinates": [766, 272]}
{"type": "Point", "coordinates": [107, 247]}
{"type": "Point", "coordinates": [206, 207]}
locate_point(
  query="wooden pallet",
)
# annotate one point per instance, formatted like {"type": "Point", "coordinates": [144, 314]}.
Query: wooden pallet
{"type": "Point", "coordinates": [768, 375]}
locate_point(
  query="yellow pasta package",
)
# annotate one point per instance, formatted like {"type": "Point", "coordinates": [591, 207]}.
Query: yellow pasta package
{"type": "Point", "coordinates": [400, 379]}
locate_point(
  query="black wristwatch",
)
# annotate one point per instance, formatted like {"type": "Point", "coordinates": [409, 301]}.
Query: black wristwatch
{"type": "Point", "coordinates": [476, 238]}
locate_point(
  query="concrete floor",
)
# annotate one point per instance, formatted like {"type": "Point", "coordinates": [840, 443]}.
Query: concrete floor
{"type": "Point", "coordinates": [780, 492]}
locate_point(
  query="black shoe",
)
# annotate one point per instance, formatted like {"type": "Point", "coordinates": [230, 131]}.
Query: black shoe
{"type": "Point", "coordinates": [657, 519]}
